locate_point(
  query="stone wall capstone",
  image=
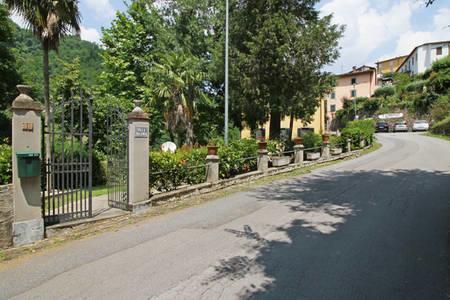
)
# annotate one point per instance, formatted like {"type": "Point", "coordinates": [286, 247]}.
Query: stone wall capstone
{"type": "Point", "coordinates": [6, 215]}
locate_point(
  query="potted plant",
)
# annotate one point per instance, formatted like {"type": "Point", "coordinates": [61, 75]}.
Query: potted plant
{"type": "Point", "coordinates": [298, 140]}
{"type": "Point", "coordinates": [262, 144]}
{"type": "Point", "coordinates": [335, 145]}
{"type": "Point", "coordinates": [212, 147]}
{"type": "Point", "coordinates": [312, 142]}
{"type": "Point", "coordinates": [279, 160]}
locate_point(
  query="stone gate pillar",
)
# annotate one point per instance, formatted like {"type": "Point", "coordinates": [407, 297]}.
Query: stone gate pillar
{"type": "Point", "coordinates": [212, 165]}
{"type": "Point", "coordinates": [263, 157]}
{"type": "Point", "coordinates": [326, 146]}
{"type": "Point", "coordinates": [349, 145]}
{"type": "Point", "coordinates": [138, 151]}
{"type": "Point", "coordinates": [28, 226]}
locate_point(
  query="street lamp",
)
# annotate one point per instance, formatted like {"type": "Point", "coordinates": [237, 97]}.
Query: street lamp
{"type": "Point", "coordinates": [226, 71]}
{"type": "Point", "coordinates": [354, 100]}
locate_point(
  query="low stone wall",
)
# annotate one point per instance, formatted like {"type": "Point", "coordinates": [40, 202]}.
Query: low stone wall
{"type": "Point", "coordinates": [6, 215]}
{"type": "Point", "coordinates": [206, 187]}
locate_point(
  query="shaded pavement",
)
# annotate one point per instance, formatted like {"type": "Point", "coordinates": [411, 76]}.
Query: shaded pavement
{"type": "Point", "coordinates": [375, 227]}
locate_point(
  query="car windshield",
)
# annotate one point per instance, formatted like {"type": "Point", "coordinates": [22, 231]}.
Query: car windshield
{"type": "Point", "coordinates": [421, 122]}
{"type": "Point", "coordinates": [400, 123]}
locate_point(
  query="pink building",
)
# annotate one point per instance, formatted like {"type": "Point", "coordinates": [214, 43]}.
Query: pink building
{"type": "Point", "coordinates": [359, 82]}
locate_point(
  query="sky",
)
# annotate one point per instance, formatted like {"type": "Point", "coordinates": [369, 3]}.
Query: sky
{"type": "Point", "coordinates": [375, 29]}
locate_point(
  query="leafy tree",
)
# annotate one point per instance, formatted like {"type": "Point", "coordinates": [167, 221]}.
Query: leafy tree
{"type": "Point", "coordinates": [9, 77]}
{"type": "Point", "coordinates": [279, 48]}
{"type": "Point", "coordinates": [49, 21]}
{"type": "Point", "coordinates": [177, 84]}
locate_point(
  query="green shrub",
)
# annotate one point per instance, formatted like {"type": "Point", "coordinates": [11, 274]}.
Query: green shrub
{"type": "Point", "coordinates": [415, 86]}
{"type": "Point", "coordinates": [5, 164]}
{"type": "Point", "coordinates": [358, 131]}
{"type": "Point", "coordinates": [441, 108]}
{"type": "Point", "coordinates": [170, 170]}
{"type": "Point", "coordinates": [232, 157]}
{"type": "Point", "coordinates": [384, 91]}
{"type": "Point", "coordinates": [442, 127]}
{"type": "Point", "coordinates": [337, 141]}
{"type": "Point", "coordinates": [312, 140]}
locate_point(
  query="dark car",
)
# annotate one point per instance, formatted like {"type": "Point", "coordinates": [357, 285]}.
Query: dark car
{"type": "Point", "coordinates": [382, 127]}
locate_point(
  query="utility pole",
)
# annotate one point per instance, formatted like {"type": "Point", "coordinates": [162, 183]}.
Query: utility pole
{"type": "Point", "coordinates": [226, 70]}
{"type": "Point", "coordinates": [354, 101]}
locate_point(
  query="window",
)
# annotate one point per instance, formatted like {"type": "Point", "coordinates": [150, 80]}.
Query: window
{"type": "Point", "coordinates": [333, 95]}
{"type": "Point", "coordinates": [353, 93]}
{"type": "Point", "coordinates": [333, 108]}
{"type": "Point", "coordinates": [353, 80]}
{"type": "Point", "coordinates": [439, 51]}
{"type": "Point", "coordinates": [285, 134]}
{"type": "Point", "coordinates": [304, 130]}
{"type": "Point", "coordinates": [260, 133]}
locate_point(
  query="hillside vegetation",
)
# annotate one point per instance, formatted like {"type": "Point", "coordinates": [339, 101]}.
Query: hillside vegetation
{"type": "Point", "coordinates": [426, 96]}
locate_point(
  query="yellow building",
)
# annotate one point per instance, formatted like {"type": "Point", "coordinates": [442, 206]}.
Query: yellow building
{"type": "Point", "coordinates": [390, 65]}
{"type": "Point", "coordinates": [317, 125]}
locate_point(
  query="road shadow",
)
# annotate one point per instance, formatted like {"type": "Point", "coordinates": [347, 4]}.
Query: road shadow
{"type": "Point", "coordinates": [353, 235]}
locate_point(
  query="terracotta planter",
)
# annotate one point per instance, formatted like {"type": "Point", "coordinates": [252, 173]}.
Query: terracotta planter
{"type": "Point", "coordinates": [212, 150]}
{"type": "Point", "coordinates": [325, 138]}
{"type": "Point", "coordinates": [298, 140]}
{"type": "Point", "coordinates": [262, 145]}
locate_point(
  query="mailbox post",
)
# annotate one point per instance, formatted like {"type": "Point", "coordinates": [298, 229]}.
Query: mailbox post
{"type": "Point", "coordinates": [28, 226]}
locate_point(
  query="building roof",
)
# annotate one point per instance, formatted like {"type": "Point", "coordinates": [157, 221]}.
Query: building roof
{"type": "Point", "coordinates": [412, 52]}
{"type": "Point", "coordinates": [360, 70]}
{"type": "Point", "coordinates": [389, 59]}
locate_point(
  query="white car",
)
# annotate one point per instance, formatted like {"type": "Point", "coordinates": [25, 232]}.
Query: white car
{"type": "Point", "coordinates": [400, 126]}
{"type": "Point", "coordinates": [420, 125]}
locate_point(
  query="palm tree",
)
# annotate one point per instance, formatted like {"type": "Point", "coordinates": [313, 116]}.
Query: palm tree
{"type": "Point", "coordinates": [49, 20]}
{"type": "Point", "coordinates": [177, 82]}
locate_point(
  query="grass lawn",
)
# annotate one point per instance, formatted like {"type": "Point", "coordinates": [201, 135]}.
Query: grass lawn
{"type": "Point", "coordinates": [99, 190]}
{"type": "Point", "coordinates": [439, 136]}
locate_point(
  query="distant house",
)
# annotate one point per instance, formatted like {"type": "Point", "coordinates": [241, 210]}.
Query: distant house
{"type": "Point", "coordinates": [359, 82]}
{"type": "Point", "coordinates": [423, 56]}
{"type": "Point", "coordinates": [387, 67]}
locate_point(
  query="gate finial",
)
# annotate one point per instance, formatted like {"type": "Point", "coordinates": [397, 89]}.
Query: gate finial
{"type": "Point", "coordinates": [137, 106]}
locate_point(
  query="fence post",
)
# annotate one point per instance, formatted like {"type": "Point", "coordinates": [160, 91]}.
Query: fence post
{"type": "Point", "coordinates": [298, 151]}
{"type": "Point", "coordinates": [349, 145]}
{"type": "Point", "coordinates": [138, 152]}
{"type": "Point", "coordinates": [325, 146]}
{"type": "Point", "coordinates": [212, 165]}
{"type": "Point", "coordinates": [28, 226]}
{"type": "Point", "coordinates": [263, 157]}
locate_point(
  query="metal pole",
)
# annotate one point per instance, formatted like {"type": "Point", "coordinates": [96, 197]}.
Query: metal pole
{"type": "Point", "coordinates": [226, 71]}
{"type": "Point", "coordinates": [354, 99]}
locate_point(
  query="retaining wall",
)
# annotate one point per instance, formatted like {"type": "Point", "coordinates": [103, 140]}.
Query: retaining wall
{"type": "Point", "coordinates": [6, 215]}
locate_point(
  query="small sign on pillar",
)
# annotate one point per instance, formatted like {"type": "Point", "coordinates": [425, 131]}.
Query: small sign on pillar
{"type": "Point", "coordinates": [138, 152]}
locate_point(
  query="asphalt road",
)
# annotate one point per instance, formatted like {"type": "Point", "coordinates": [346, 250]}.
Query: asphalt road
{"type": "Point", "coordinates": [372, 228]}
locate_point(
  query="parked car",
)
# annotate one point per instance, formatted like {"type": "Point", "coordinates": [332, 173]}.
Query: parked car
{"type": "Point", "coordinates": [400, 127]}
{"type": "Point", "coordinates": [382, 126]}
{"type": "Point", "coordinates": [420, 125]}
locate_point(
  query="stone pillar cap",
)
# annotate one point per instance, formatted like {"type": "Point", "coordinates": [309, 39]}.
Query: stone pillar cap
{"type": "Point", "coordinates": [24, 101]}
{"type": "Point", "coordinates": [137, 113]}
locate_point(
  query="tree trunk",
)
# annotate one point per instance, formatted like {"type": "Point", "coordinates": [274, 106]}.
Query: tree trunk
{"type": "Point", "coordinates": [275, 125]}
{"type": "Point", "coordinates": [291, 126]}
{"type": "Point", "coordinates": [189, 134]}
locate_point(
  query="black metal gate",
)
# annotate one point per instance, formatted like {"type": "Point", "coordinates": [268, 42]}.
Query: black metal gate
{"type": "Point", "coordinates": [67, 171]}
{"type": "Point", "coordinates": [117, 151]}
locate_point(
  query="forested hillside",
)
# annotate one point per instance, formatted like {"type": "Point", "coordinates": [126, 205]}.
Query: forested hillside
{"type": "Point", "coordinates": [28, 53]}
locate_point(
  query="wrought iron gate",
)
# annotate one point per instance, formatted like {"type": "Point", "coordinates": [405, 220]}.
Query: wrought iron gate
{"type": "Point", "coordinates": [67, 171]}
{"type": "Point", "coordinates": [117, 151]}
